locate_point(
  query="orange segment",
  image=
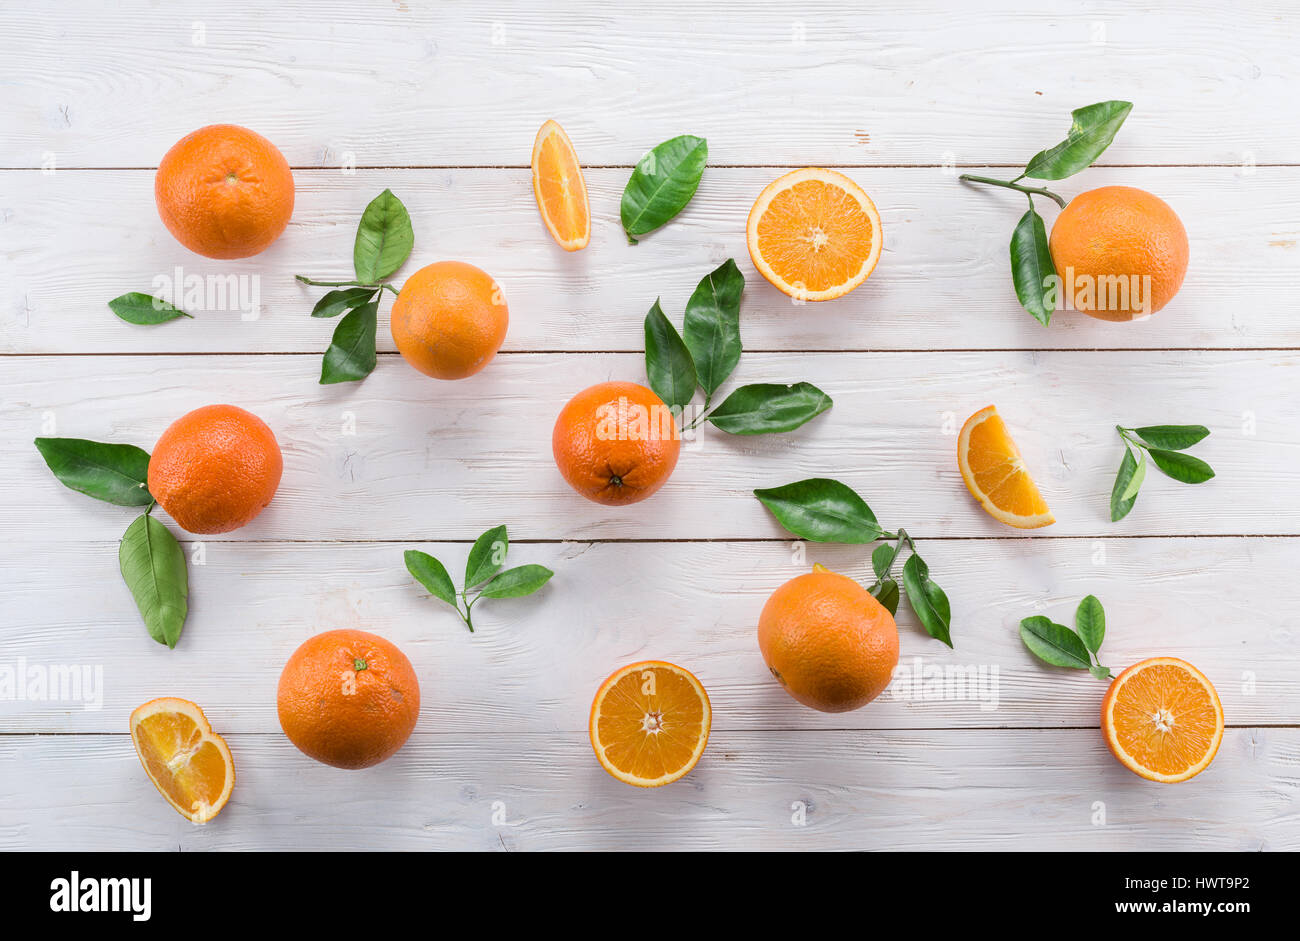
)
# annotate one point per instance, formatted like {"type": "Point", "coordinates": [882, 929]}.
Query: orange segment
{"type": "Point", "coordinates": [995, 473]}
{"type": "Point", "coordinates": [649, 723]}
{"type": "Point", "coordinates": [814, 234]}
{"type": "Point", "coordinates": [188, 762]}
{"type": "Point", "coordinates": [560, 189]}
{"type": "Point", "coordinates": [1162, 719]}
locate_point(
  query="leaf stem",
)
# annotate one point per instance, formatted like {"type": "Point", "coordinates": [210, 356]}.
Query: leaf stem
{"type": "Point", "coordinates": [1011, 184]}
{"type": "Point", "coordinates": [344, 284]}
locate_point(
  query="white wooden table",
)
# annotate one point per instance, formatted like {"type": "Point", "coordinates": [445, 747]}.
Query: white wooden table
{"type": "Point", "coordinates": [440, 102]}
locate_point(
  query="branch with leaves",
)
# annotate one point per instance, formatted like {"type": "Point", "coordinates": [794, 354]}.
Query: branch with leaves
{"type": "Point", "coordinates": [483, 575]}
{"type": "Point", "coordinates": [1076, 649]}
{"type": "Point", "coordinates": [704, 355]}
{"type": "Point", "coordinates": [824, 510]}
{"type": "Point", "coordinates": [151, 560]}
{"type": "Point", "coordinates": [1164, 445]}
{"type": "Point", "coordinates": [1091, 131]}
{"type": "Point", "coordinates": [384, 242]}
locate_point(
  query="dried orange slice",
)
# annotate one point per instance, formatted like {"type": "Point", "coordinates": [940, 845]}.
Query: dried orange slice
{"type": "Point", "coordinates": [560, 189]}
{"type": "Point", "coordinates": [995, 473]}
{"type": "Point", "coordinates": [188, 762]}
{"type": "Point", "coordinates": [649, 723]}
{"type": "Point", "coordinates": [814, 234]}
{"type": "Point", "coordinates": [1162, 719]}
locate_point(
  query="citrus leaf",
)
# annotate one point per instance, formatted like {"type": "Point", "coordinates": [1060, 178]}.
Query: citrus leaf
{"type": "Point", "coordinates": [517, 582]}
{"type": "Point", "coordinates": [1054, 643]}
{"type": "Point", "coordinates": [927, 599]}
{"type": "Point", "coordinates": [1172, 437]}
{"type": "Point", "coordinates": [662, 183]}
{"type": "Point", "coordinates": [712, 327]}
{"type": "Point", "coordinates": [1182, 467]}
{"type": "Point", "coordinates": [886, 592]}
{"type": "Point", "coordinates": [1120, 504]}
{"type": "Point", "coordinates": [822, 510]}
{"type": "Point", "coordinates": [336, 302]}
{"type": "Point", "coordinates": [668, 363]}
{"type": "Point", "coordinates": [1090, 623]}
{"type": "Point", "coordinates": [153, 567]}
{"type": "Point", "coordinates": [1092, 128]}
{"type": "Point", "coordinates": [1135, 482]}
{"type": "Point", "coordinates": [1031, 267]}
{"type": "Point", "coordinates": [384, 238]}
{"type": "Point", "coordinates": [765, 408]}
{"type": "Point", "coordinates": [114, 473]}
{"type": "Point", "coordinates": [486, 556]}
{"type": "Point", "coordinates": [432, 574]}
{"type": "Point", "coordinates": [351, 354]}
{"type": "Point", "coordinates": [145, 309]}
{"type": "Point", "coordinates": [882, 557]}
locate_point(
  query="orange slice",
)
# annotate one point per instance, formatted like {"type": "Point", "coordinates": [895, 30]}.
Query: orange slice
{"type": "Point", "coordinates": [649, 723]}
{"type": "Point", "coordinates": [560, 189]}
{"type": "Point", "coordinates": [1162, 719]}
{"type": "Point", "coordinates": [814, 234]}
{"type": "Point", "coordinates": [188, 762]}
{"type": "Point", "coordinates": [995, 473]}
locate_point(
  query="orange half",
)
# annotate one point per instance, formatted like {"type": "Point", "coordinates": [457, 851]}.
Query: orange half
{"type": "Point", "coordinates": [814, 234]}
{"type": "Point", "coordinates": [188, 762]}
{"type": "Point", "coordinates": [995, 473]}
{"type": "Point", "coordinates": [560, 189]}
{"type": "Point", "coordinates": [1162, 719]}
{"type": "Point", "coordinates": [649, 723]}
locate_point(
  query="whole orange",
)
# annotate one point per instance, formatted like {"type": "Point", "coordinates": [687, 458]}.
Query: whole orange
{"type": "Point", "coordinates": [215, 468]}
{"type": "Point", "coordinates": [224, 191]}
{"type": "Point", "coordinates": [616, 442]}
{"type": "Point", "coordinates": [828, 641]}
{"type": "Point", "coordinates": [1120, 252]}
{"type": "Point", "coordinates": [449, 320]}
{"type": "Point", "coordinates": [348, 698]}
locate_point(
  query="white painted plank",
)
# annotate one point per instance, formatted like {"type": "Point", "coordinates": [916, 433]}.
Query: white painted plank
{"type": "Point", "coordinates": [1011, 790]}
{"type": "Point", "coordinates": [73, 240]}
{"type": "Point", "coordinates": [444, 460]}
{"type": "Point", "coordinates": [907, 81]}
{"type": "Point", "coordinates": [533, 664]}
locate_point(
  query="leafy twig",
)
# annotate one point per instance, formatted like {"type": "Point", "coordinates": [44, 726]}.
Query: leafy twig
{"type": "Point", "coordinates": [1076, 649]}
{"type": "Point", "coordinates": [1163, 444]}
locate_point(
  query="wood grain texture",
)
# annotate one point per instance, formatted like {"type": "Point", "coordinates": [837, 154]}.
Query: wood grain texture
{"type": "Point", "coordinates": [402, 456]}
{"type": "Point", "coordinates": [462, 84]}
{"type": "Point", "coordinates": [533, 664]}
{"type": "Point", "coordinates": [76, 239]}
{"type": "Point", "coordinates": [857, 790]}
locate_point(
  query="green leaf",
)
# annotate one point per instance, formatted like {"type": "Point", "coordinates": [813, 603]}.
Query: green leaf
{"type": "Point", "coordinates": [517, 582]}
{"type": "Point", "coordinates": [145, 309]}
{"type": "Point", "coordinates": [1100, 672]}
{"type": "Point", "coordinates": [336, 302]}
{"type": "Point", "coordinates": [384, 238]}
{"type": "Point", "coordinates": [1135, 482]}
{"type": "Point", "coordinates": [668, 363]}
{"type": "Point", "coordinates": [1092, 128]}
{"type": "Point", "coordinates": [1120, 504]}
{"type": "Point", "coordinates": [882, 557]}
{"type": "Point", "coordinates": [927, 599]}
{"type": "Point", "coordinates": [351, 354]}
{"type": "Point", "coordinates": [662, 183]}
{"type": "Point", "coordinates": [114, 473]}
{"type": "Point", "coordinates": [1031, 267]}
{"type": "Point", "coordinates": [1054, 643]}
{"type": "Point", "coordinates": [153, 566]}
{"type": "Point", "coordinates": [1090, 623]}
{"type": "Point", "coordinates": [765, 408]}
{"type": "Point", "coordinates": [486, 556]}
{"type": "Point", "coordinates": [1179, 466]}
{"type": "Point", "coordinates": [1172, 437]}
{"type": "Point", "coordinates": [712, 327]}
{"type": "Point", "coordinates": [432, 574]}
{"type": "Point", "coordinates": [822, 510]}
{"type": "Point", "coordinates": [886, 592]}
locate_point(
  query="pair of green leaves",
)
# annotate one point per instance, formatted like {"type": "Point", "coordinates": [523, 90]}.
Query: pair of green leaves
{"type": "Point", "coordinates": [383, 243]}
{"type": "Point", "coordinates": [1163, 445]}
{"type": "Point", "coordinates": [706, 352]}
{"type": "Point", "coordinates": [662, 183]}
{"type": "Point", "coordinates": [824, 510]}
{"type": "Point", "coordinates": [1061, 647]}
{"type": "Point", "coordinates": [145, 309]}
{"type": "Point", "coordinates": [482, 572]}
{"type": "Point", "coordinates": [150, 558]}
{"type": "Point", "coordinates": [1092, 129]}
